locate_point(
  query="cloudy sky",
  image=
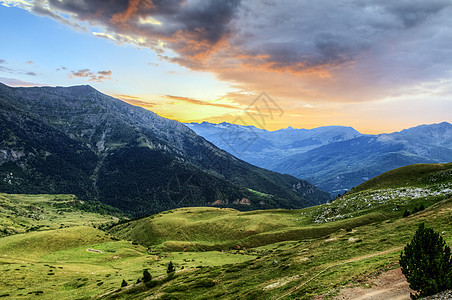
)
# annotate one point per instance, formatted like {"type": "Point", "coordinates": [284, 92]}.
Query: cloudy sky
{"type": "Point", "coordinates": [378, 66]}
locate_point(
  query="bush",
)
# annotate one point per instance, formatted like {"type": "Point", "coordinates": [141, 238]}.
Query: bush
{"type": "Point", "coordinates": [171, 268]}
{"type": "Point", "coordinates": [123, 283]}
{"type": "Point", "coordinates": [427, 263]}
{"type": "Point", "coordinates": [406, 213]}
{"type": "Point", "coordinates": [146, 275]}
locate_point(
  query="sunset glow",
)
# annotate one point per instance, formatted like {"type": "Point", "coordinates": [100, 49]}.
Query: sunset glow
{"type": "Point", "coordinates": [376, 66]}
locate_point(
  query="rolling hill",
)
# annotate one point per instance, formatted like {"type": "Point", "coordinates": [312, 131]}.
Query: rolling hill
{"type": "Point", "coordinates": [79, 141]}
{"type": "Point", "coordinates": [339, 243]}
{"type": "Point", "coordinates": [228, 254]}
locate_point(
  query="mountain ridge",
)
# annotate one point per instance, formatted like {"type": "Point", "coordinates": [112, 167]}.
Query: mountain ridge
{"type": "Point", "coordinates": [336, 158]}
{"type": "Point", "coordinates": [126, 156]}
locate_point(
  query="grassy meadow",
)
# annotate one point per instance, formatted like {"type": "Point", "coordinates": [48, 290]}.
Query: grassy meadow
{"type": "Point", "coordinates": [218, 252]}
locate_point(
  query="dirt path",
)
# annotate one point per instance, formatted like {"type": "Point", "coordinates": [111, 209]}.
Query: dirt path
{"type": "Point", "coordinates": [295, 288]}
{"type": "Point", "coordinates": [389, 285]}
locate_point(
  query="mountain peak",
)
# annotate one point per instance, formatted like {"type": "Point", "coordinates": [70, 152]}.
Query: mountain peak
{"type": "Point", "coordinates": [82, 89]}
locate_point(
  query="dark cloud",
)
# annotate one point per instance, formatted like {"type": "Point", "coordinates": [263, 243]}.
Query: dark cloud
{"type": "Point", "coordinates": [31, 73]}
{"type": "Point", "coordinates": [191, 28]}
{"type": "Point", "coordinates": [2, 61]}
{"type": "Point", "coordinates": [301, 35]}
{"type": "Point", "coordinates": [371, 44]}
{"type": "Point", "coordinates": [92, 76]}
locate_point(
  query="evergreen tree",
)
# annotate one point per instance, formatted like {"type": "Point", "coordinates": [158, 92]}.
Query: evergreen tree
{"type": "Point", "coordinates": [123, 283]}
{"type": "Point", "coordinates": [427, 263]}
{"type": "Point", "coordinates": [146, 275]}
{"type": "Point", "coordinates": [171, 268]}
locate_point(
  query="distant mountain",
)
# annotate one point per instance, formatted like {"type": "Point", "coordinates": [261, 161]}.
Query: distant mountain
{"type": "Point", "coordinates": [268, 148]}
{"type": "Point", "coordinates": [334, 158]}
{"type": "Point", "coordinates": [78, 140]}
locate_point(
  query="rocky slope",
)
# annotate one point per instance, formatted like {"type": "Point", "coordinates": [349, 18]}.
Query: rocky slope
{"type": "Point", "coordinates": [78, 140]}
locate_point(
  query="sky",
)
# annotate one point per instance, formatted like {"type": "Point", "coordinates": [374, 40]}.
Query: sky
{"type": "Point", "coordinates": [377, 66]}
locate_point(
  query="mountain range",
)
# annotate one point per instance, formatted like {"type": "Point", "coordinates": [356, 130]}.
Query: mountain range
{"type": "Point", "coordinates": [335, 158]}
{"type": "Point", "coordinates": [76, 140]}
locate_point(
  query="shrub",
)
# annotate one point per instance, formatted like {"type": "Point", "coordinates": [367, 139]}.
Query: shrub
{"type": "Point", "coordinates": [123, 283]}
{"type": "Point", "coordinates": [406, 213]}
{"type": "Point", "coordinates": [146, 275]}
{"type": "Point", "coordinates": [171, 268]}
{"type": "Point", "coordinates": [427, 263]}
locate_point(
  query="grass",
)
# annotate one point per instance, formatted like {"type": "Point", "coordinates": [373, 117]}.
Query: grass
{"type": "Point", "coordinates": [221, 253]}
{"type": "Point", "coordinates": [288, 268]}
{"type": "Point", "coordinates": [24, 213]}
{"type": "Point", "coordinates": [300, 253]}
{"type": "Point", "coordinates": [413, 175]}
{"type": "Point", "coordinates": [202, 228]}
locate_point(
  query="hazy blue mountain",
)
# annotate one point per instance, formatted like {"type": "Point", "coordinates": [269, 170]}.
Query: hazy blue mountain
{"type": "Point", "coordinates": [78, 140]}
{"type": "Point", "coordinates": [268, 148]}
{"type": "Point", "coordinates": [334, 158]}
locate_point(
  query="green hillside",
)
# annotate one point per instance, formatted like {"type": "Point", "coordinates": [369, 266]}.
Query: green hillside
{"type": "Point", "coordinates": [303, 268]}
{"type": "Point", "coordinates": [414, 176]}
{"type": "Point", "coordinates": [221, 229]}
{"type": "Point", "coordinates": [221, 252]}
{"type": "Point", "coordinates": [21, 213]}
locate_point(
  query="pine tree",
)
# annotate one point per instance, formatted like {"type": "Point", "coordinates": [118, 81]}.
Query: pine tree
{"type": "Point", "coordinates": [171, 268]}
{"type": "Point", "coordinates": [427, 263]}
{"type": "Point", "coordinates": [123, 283]}
{"type": "Point", "coordinates": [406, 213]}
{"type": "Point", "coordinates": [146, 276]}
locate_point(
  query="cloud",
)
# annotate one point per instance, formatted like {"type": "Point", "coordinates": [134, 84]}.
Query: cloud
{"type": "Point", "coordinates": [29, 62]}
{"type": "Point", "coordinates": [31, 73]}
{"type": "Point", "coordinates": [200, 102]}
{"type": "Point", "coordinates": [17, 82]}
{"type": "Point", "coordinates": [7, 70]}
{"type": "Point", "coordinates": [324, 50]}
{"type": "Point", "coordinates": [2, 61]}
{"type": "Point", "coordinates": [105, 73]}
{"type": "Point", "coordinates": [99, 76]}
{"type": "Point", "coordinates": [136, 102]}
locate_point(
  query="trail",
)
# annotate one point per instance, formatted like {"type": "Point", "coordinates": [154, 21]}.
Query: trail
{"type": "Point", "coordinates": [389, 285]}
{"type": "Point", "coordinates": [295, 288]}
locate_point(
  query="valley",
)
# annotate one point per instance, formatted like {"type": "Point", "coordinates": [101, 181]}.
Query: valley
{"type": "Point", "coordinates": [233, 149]}
{"type": "Point", "coordinates": [221, 252]}
{"type": "Point", "coordinates": [334, 158]}
{"type": "Point", "coordinates": [76, 140]}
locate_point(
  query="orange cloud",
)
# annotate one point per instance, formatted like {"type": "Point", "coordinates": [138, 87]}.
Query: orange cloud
{"type": "Point", "coordinates": [87, 73]}
{"type": "Point", "coordinates": [134, 101]}
{"type": "Point", "coordinates": [122, 18]}
{"type": "Point", "coordinates": [200, 102]}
